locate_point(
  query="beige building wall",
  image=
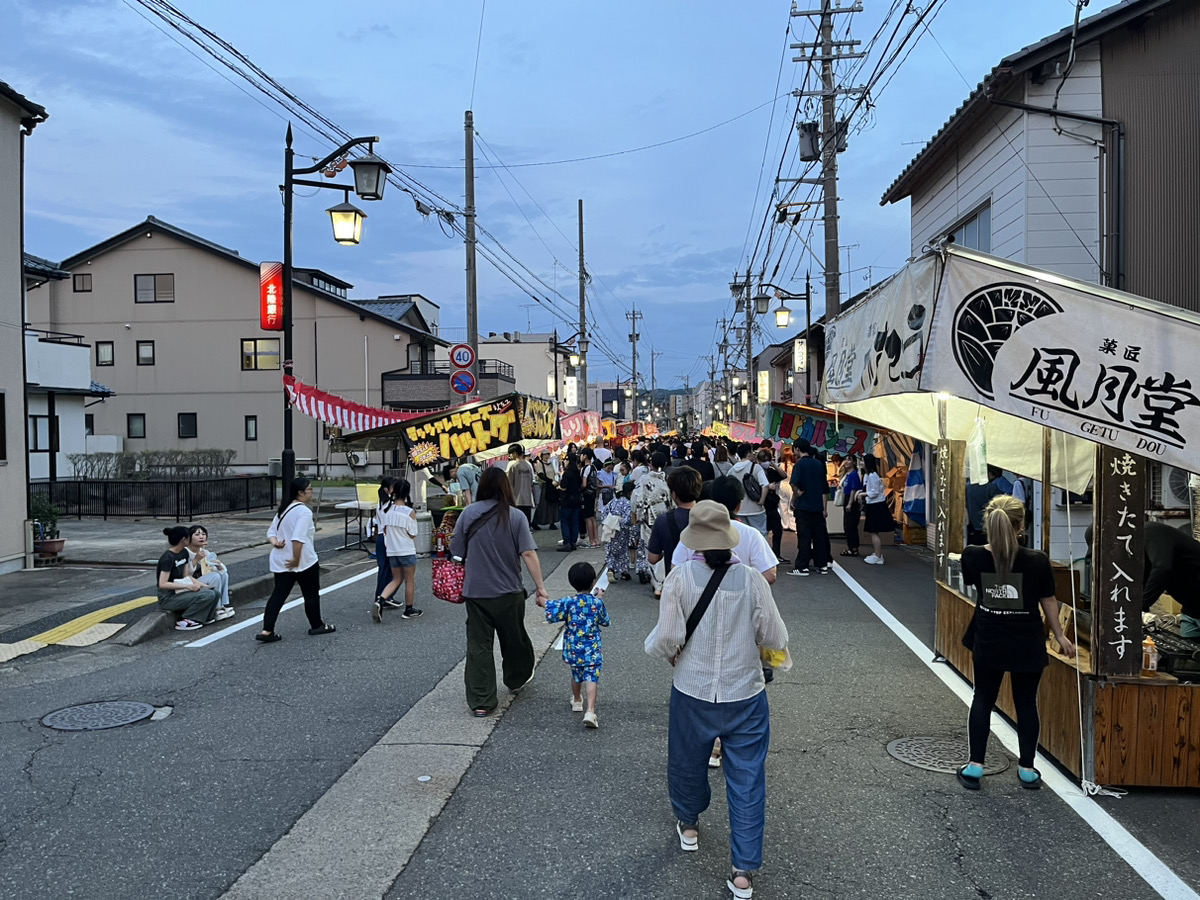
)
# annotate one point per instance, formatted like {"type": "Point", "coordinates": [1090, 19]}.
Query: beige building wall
{"type": "Point", "coordinates": [197, 341]}
{"type": "Point", "coordinates": [13, 476]}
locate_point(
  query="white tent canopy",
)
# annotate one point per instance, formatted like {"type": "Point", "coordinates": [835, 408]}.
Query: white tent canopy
{"type": "Point", "coordinates": [1025, 350]}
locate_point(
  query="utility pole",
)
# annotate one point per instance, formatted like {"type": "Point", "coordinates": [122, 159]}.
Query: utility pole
{"type": "Point", "coordinates": [654, 354]}
{"type": "Point", "coordinates": [807, 338]}
{"type": "Point", "coordinates": [634, 317]}
{"type": "Point", "coordinates": [472, 283]}
{"type": "Point", "coordinates": [832, 133]}
{"type": "Point", "coordinates": [751, 392]}
{"type": "Point", "coordinates": [583, 338]}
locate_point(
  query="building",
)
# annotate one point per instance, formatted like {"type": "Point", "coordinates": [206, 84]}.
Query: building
{"type": "Point", "coordinates": [173, 323]}
{"type": "Point", "coordinates": [1077, 154]}
{"type": "Point", "coordinates": [58, 390]}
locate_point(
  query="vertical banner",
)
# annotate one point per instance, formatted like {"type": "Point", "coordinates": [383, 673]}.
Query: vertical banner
{"type": "Point", "coordinates": [941, 536]}
{"type": "Point", "coordinates": [571, 391]}
{"type": "Point", "coordinates": [1119, 537]}
{"type": "Point", "coordinates": [270, 296]}
{"type": "Point", "coordinates": [800, 355]}
{"type": "Point", "coordinates": [764, 385]}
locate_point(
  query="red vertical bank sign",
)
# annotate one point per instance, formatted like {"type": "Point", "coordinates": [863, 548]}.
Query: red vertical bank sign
{"type": "Point", "coordinates": [270, 296]}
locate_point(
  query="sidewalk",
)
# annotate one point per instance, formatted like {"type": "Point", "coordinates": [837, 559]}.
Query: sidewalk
{"type": "Point", "coordinates": [109, 561]}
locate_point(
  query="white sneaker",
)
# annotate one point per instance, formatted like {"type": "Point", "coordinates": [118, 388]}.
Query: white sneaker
{"type": "Point", "coordinates": [187, 625]}
{"type": "Point", "coordinates": [576, 705]}
{"type": "Point", "coordinates": [225, 612]}
{"type": "Point", "coordinates": [874, 560]}
{"type": "Point", "coordinates": [589, 719]}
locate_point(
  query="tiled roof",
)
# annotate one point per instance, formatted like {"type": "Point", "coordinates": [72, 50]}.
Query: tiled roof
{"type": "Point", "coordinates": [389, 309]}
{"type": "Point", "coordinates": [36, 265]}
{"type": "Point", "coordinates": [99, 390]}
{"type": "Point", "coordinates": [34, 114]}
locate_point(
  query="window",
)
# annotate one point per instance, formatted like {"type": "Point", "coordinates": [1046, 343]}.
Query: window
{"type": "Point", "coordinates": [252, 428]}
{"type": "Point", "coordinates": [976, 232]}
{"type": "Point", "coordinates": [187, 425]}
{"type": "Point", "coordinates": [145, 353]}
{"type": "Point", "coordinates": [135, 425]}
{"type": "Point", "coordinates": [83, 283]}
{"type": "Point", "coordinates": [154, 288]}
{"type": "Point", "coordinates": [104, 353]}
{"type": "Point", "coordinates": [261, 353]}
{"type": "Point", "coordinates": [42, 438]}
{"type": "Point", "coordinates": [89, 424]}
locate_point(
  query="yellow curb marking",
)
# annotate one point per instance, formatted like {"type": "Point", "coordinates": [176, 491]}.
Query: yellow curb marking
{"type": "Point", "coordinates": [93, 635]}
{"type": "Point", "coordinates": [70, 629]}
{"type": "Point", "coordinates": [20, 648]}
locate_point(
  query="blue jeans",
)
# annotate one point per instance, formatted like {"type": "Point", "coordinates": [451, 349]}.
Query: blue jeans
{"type": "Point", "coordinates": [758, 522]}
{"type": "Point", "coordinates": [745, 731]}
{"type": "Point", "coordinates": [570, 525]}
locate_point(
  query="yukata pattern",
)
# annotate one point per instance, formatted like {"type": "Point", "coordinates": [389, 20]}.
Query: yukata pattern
{"type": "Point", "coordinates": [583, 615]}
{"type": "Point", "coordinates": [651, 498]}
{"type": "Point", "coordinates": [616, 552]}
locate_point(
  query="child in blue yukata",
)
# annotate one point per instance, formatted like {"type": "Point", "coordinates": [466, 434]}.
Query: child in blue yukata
{"type": "Point", "coordinates": [584, 613]}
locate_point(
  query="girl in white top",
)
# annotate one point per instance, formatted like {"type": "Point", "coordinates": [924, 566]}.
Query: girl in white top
{"type": "Point", "coordinates": [399, 530]}
{"type": "Point", "coordinates": [294, 561]}
{"type": "Point", "coordinates": [209, 570]}
{"type": "Point", "coordinates": [877, 517]}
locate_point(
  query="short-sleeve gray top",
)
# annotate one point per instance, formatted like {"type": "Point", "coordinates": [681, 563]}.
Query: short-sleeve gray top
{"type": "Point", "coordinates": [494, 557]}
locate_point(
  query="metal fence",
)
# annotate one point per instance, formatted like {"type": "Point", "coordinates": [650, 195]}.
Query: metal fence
{"type": "Point", "coordinates": [183, 500]}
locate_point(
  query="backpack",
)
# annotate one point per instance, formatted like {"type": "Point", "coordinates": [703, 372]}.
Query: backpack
{"type": "Point", "coordinates": [751, 486]}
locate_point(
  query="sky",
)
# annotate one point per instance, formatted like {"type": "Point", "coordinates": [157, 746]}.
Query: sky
{"type": "Point", "coordinates": [667, 118]}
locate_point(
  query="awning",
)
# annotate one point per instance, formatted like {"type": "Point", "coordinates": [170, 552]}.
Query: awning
{"type": "Point", "coordinates": [1023, 349]}
{"type": "Point", "coordinates": [485, 430]}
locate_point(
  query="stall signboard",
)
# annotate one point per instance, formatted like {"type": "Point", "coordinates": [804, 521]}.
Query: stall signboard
{"type": "Point", "coordinates": [720, 429]}
{"type": "Point", "coordinates": [270, 296]}
{"type": "Point", "coordinates": [581, 426]}
{"type": "Point", "coordinates": [650, 428]}
{"type": "Point", "coordinates": [474, 428]}
{"type": "Point", "coordinates": [1119, 562]}
{"type": "Point", "coordinates": [878, 346]}
{"type": "Point", "coordinates": [539, 419]}
{"type": "Point", "coordinates": [743, 432]}
{"type": "Point", "coordinates": [626, 430]}
{"type": "Point", "coordinates": [841, 436]}
{"type": "Point", "coordinates": [1108, 367]}
{"type": "Point", "coordinates": [608, 428]}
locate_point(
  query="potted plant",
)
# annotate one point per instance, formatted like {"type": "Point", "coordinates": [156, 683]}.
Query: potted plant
{"type": "Point", "coordinates": [47, 544]}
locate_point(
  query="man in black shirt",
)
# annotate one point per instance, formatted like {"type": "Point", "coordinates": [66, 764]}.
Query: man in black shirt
{"type": "Point", "coordinates": [698, 460]}
{"type": "Point", "coordinates": [810, 488]}
{"type": "Point", "coordinates": [684, 484]}
{"type": "Point", "coordinates": [1173, 567]}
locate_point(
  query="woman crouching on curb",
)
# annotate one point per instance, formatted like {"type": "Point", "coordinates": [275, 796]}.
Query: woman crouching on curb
{"type": "Point", "coordinates": [715, 653]}
{"type": "Point", "coordinates": [1007, 635]}
{"type": "Point", "coordinates": [294, 561]}
{"type": "Point", "coordinates": [177, 591]}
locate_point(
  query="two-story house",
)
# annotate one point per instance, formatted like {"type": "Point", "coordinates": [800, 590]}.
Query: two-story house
{"type": "Point", "coordinates": [18, 117]}
{"type": "Point", "coordinates": [1078, 154]}
{"type": "Point", "coordinates": [173, 321]}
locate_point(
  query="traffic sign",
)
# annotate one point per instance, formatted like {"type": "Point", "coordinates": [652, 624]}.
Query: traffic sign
{"type": "Point", "coordinates": [462, 357]}
{"type": "Point", "coordinates": [462, 382]}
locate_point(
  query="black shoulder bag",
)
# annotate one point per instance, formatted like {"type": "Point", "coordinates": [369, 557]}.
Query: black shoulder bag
{"type": "Point", "coordinates": [673, 528]}
{"type": "Point", "coordinates": [701, 607]}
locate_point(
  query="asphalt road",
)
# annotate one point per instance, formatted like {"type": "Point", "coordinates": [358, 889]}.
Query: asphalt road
{"type": "Point", "coordinates": [260, 735]}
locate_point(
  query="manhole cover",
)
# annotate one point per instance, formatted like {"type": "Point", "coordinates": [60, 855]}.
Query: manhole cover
{"type": "Point", "coordinates": [97, 716]}
{"type": "Point", "coordinates": [941, 755]}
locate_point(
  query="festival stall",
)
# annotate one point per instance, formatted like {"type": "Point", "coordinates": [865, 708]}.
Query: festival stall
{"type": "Point", "coordinates": [1076, 386]}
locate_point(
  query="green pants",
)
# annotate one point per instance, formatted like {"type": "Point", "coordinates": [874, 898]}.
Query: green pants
{"type": "Point", "coordinates": [487, 619]}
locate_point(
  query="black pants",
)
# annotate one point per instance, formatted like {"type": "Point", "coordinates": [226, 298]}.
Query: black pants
{"type": "Point", "coordinates": [489, 618]}
{"type": "Point", "coordinates": [851, 516]}
{"type": "Point", "coordinates": [310, 586]}
{"type": "Point", "coordinates": [812, 538]}
{"type": "Point", "coordinates": [1024, 694]}
{"type": "Point", "coordinates": [775, 529]}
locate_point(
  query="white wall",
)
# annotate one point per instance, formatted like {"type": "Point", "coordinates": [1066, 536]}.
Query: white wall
{"type": "Point", "coordinates": [12, 316]}
{"type": "Point", "coordinates": [71, 437]}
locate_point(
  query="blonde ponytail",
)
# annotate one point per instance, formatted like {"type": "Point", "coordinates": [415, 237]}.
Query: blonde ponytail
{"type": "Point", "coordinates": [1003, 519]}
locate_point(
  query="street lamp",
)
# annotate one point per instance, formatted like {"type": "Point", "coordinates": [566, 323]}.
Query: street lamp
{"type": "Point", "coordinates": [783, 316]}
{"type": "Point", "coordinates": [370, 176]}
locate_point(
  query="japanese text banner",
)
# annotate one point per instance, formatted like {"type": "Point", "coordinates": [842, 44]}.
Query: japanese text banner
{"type": "Point", "coordinates": [877, 346]}
{"type": "Point", "coordinates": [1124, 375]}
{"type": "Point", "coordinates": [463, 431]}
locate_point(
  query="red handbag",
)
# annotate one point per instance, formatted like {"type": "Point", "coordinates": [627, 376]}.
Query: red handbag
{"type": "Point", "coordinates": [448, 576]}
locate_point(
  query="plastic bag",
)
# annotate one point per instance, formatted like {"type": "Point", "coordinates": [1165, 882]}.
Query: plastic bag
{"type": "Point", "coordinates": [977, 454]}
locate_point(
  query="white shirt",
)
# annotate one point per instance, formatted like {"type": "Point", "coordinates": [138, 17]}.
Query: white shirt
{"type": "Point", "coordinates": [296, 524]}
{"type": "Point", "coordinates": [399, 529]}
{"type": "Point", "coordinates": [720, 664]}
{"type": "Point", "coordinates": [603, 454]}
{"type": "Point", "coordinates": [638, 473]}
{"type": "Point", "coordinates": [874, 487]}
{"type": "Point", "coordinates": [741, 469]}
{"type": "Point", "coordinates": [752, 549]}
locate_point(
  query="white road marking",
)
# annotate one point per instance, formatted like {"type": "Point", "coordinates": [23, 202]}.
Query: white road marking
{"type": "Point", "coordinates": [256, 621]}
{"type": "Point", "coordinates": [1155, 872]}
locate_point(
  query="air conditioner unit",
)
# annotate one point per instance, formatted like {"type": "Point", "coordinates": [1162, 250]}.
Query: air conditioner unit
{"type": "Point", "coordinates": [357, 458]}
{"type": "Point", "coordinates": [1169, 487]}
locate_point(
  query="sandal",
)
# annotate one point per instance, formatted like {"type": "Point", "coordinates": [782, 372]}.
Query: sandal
{"type": "Point", "coordinates": [738, 892]}
{"type": "Point", "coordinates": [267, 637]}
{"type": "Point", "coordinates": [970, 782]}
{"type": "Point", "coordinates": [1034, 785]}
{"type": "Point", "coordinates": [849, 553]}
{"type": "Point", "coordinates": [324, 629]}
{"type": "Point", "coordinates": [481, 713]}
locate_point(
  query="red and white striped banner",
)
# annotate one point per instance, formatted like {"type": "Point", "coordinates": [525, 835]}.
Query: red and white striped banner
{"type": "Point", "coordinates": [337, 411]}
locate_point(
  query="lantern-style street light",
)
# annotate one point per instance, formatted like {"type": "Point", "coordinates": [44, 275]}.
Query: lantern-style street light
{"type": "Point", "coordinates": [370, 176]}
